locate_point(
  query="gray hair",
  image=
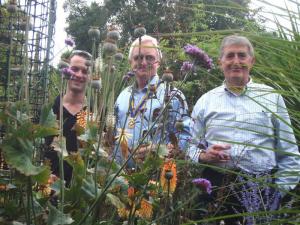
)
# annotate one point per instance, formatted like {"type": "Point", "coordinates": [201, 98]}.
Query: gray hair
{"type": "Point", "coordinates": [236, 40]}
{"type": "Point", "coordinates": [145, 38]}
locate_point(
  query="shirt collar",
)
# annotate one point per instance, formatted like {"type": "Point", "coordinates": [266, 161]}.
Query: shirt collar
{"type": "Point", "coordinates": [153, 80]}
{"type": "Point", "coordinates": [242, 92]}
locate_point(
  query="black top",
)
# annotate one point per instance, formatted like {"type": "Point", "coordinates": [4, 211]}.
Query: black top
{"type": "Point", "coordinates": [69, 133]}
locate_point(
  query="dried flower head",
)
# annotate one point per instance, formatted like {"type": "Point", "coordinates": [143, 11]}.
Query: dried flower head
{"type": "Point", "coordinates": [139, 31]}
{"type": "Point", "coordinates": [94, 33]}
{"type": "Point", "coordinates": [113, 34]}
{"type": "Point", "coordinates": [109, 47]}
{"type": "Point", "coordinates": [167, 76]}
{"type": "Point", "coordinates": [203, 184]}
{"type": "Point", "coordinates": [200, 57]}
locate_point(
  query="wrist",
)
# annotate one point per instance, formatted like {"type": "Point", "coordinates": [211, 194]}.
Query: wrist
{"type": "Point", "coordinates": [202, 153]}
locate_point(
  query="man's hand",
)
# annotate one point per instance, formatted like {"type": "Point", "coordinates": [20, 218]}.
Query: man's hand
{"type": "Point", "coordinates": [215, 153]}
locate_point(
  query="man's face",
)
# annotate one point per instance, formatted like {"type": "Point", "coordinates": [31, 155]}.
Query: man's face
{"type": "Point", "coordinates": [145, 61]}
{"type": "Point", "coordinates": [81, 74]}
{"type": "Point", "coordinates": [236, 64]}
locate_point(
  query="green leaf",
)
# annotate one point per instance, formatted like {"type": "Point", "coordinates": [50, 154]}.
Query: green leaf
{"type": "Point", "coordinates": [88, 188]}
{"type": "Point", "coordinates": [47, 117]}
{"type": "Point", "coordinates": [56, 217]}
{"type": "Point", "coordinates": [114, 200]}
{"type": "Point", "coordinates": [43, 176]}
{"type": "Point", "coordinates": [18, 156]}
{"type": "Point", "coordinates": [43, 131]}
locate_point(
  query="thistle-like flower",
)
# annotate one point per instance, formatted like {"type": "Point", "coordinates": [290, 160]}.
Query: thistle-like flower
{"type": "Point", "coordinates": [70, 42]}
{"type": "Point", "coordinates": [67, 73]}
{"type": "Point", "coordinates": [204, 184]}
{"type": "Point", "coordinates": [200, 57]}
{"type": "Point", "coordinates": [186, 67]}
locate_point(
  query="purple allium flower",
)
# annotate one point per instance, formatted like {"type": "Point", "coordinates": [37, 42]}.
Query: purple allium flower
{"type": "Point", "coordinates": [203, 184]}
{"type": "Point", "coordinates": [70, 42]}
{"type": "Point", "coordinates": [67, 73]}
{"type": "Point", "coordinates": [186, 66]}
{"type": "Point", "coordinates": [199, 56]}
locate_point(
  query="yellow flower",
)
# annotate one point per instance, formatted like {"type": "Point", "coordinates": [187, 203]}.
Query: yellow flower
{"type": "Point", "coordinates": [123, 139]}
{"type": "Point", "coordinates": [168, 176]}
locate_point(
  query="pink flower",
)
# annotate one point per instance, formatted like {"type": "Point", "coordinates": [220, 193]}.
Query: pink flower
{"type": "Point", "coordinates": [203, 184]}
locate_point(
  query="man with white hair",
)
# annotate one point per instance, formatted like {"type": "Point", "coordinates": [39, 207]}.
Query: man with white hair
{"type": "Point", "coordinates": [244, 127]}
{"type": "Point", "coordinates": [148, 110]}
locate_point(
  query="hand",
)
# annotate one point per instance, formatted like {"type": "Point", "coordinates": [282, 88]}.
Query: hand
{"type": "Point", "coordinates": [215, 153]}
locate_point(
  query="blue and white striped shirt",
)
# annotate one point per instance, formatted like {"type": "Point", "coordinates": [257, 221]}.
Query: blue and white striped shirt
{"type": "Point", "coordinates": [257, 126]}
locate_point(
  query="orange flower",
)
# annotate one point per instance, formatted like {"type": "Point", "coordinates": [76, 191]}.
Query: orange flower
{"type": "Point", "coordinates": [146, 210]}
{"type": "Point", "coordinates": [130, 193]}
{"type": "Point", "coordinates": [168, 176]}
{"type": "Point", "coordinates": [81, 118]}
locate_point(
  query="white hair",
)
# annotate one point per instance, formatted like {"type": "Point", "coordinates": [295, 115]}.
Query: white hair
{"type": "Point", "coordinates": [145, 38]}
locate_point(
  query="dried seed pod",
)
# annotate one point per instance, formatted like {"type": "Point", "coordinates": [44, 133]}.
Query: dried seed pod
{"type": "Point", "coordinates": [167, 76]}
{"type": "Point", "coordinates": [139, 31]}
{"type": "Point", "coordinates": [113, 34]}
{"type": "Point", "coordinates": [94, 33]}
{"type": "Point", "coordinates": [109, 47]}
{"type": "Point", "coordinates": [169, 175]}
{"type": "Point", "coordinates": [96, 84]}
{"type": "Point", "coordinates": [119, 56]}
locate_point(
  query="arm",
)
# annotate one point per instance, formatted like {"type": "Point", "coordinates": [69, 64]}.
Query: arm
{"type": "Point", "coordinates": [287, 154]}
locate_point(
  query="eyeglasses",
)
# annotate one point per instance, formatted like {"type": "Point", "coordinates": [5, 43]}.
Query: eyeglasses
{"type": "Point", "coordinates": [76, 69]}
{"type": "Point", "coordinates": [148, 58]}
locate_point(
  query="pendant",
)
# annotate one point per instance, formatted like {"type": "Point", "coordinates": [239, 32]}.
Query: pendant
{"type": "Point", "coordinates": [131, 123]}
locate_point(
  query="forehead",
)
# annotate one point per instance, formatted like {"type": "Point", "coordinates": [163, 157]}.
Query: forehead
{"type": "Point", "coordinates": [77, 60]}
{"type": "Point", "coordinates": [146, 46]}
{"type": "Point", "coordinates": [235, 48]}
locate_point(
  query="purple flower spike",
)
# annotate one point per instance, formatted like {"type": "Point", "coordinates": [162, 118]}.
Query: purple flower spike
{"type": "Point", "coordinates": [69, 42]}
{"type": "Point", "coordinates": [67, 73]}
{"type": "Point", "coordinates": [186, 66]}
{"type": "Point", "coordinates": [203, 184]}
{"type": "Point", "coordinates": [200, 57]}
